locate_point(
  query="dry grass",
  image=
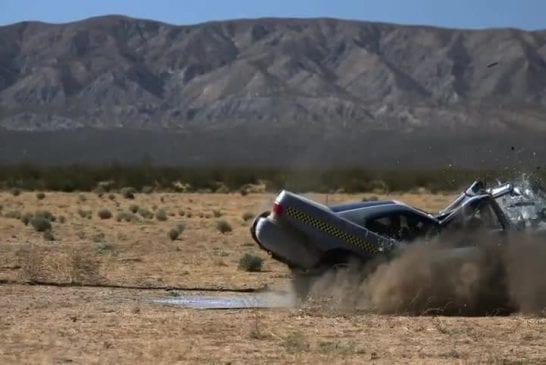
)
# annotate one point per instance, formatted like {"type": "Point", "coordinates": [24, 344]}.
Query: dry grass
{"type": "Point", "coordinates": [82, 325]}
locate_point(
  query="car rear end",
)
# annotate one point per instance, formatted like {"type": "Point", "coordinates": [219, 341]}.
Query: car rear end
{"type": "Point", "coordinates": [301, 233]}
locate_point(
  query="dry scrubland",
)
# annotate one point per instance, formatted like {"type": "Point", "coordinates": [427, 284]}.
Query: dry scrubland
{"type": "Point", "coordinates": [111, 325]}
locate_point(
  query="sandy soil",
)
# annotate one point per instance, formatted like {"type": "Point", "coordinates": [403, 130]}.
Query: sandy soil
{"type": "Point", "coordinates": [48, 324]}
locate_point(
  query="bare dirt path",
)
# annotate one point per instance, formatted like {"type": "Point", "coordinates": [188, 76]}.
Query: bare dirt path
{"type": "Point", "coordinates": [91, 325]}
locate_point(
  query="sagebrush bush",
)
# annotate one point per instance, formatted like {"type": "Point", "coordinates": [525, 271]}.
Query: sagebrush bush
{"type": "Point", "coordinates": [14, 214]}
{"type": "Point", "coordinates": [248, 216]}
{"type": "Point", "coordinates": [146, 189]}
{"type": "Point", "coordinates": [40, 224]}
{"type": "Point", "coordinates": [25, 218]}
{"type": "Point", "coordinates": [85, 213]}
{"type": "Point", "coordinates": [145, 213]}
{"type": "Point", "coordinates": [161, 215]}
{"type": "Point", "coordinates": [104, 214]}
{"type": "Point", "coordinates": [99, 237]}
{"type": "Point", "coordinates": [173, 234]}
{"type": "Point", "coordinates": [48, 236]}
{"type": "Point", "coordinates": [217, 213]}
{"type": "Point", "coordinates": [40, 195]}
{"type": "Point", "coordinates": [100, 191]}
{"type": "Point", "coordinates": [126, 217]}
{"type": "Point", "coordinates": [251, 263]}
{"type": "Point", "coordinates": [104, 247]}
{"type": "Point", "coordinates": [223, 226]}
{"type": "Point", "coordinates": [133, 208]}
{"type": "Point", "coordinates": [128, 192]}
{"type": "Point", "coordinates": [15, 191]}
{"type": "Point", "coordinates": [112, 196]}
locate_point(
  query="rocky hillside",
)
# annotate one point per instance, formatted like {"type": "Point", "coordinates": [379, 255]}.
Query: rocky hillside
{"type": "Point", "coordinates": [331, 78]}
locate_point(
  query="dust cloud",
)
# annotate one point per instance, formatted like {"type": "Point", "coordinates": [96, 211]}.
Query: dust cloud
{"type": "Point", "coordinates": [486, 277]}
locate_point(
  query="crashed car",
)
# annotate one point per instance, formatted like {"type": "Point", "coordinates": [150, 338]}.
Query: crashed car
{"type": "Point", "coordinates": [310, 237]}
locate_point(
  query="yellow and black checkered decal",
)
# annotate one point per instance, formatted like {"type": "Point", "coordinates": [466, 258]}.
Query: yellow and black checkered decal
{"type": "Point", "coordinates": [331, 230]}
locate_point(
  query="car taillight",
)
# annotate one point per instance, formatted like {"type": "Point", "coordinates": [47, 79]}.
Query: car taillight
{"type": "Point", "coordinates": [277, 208]}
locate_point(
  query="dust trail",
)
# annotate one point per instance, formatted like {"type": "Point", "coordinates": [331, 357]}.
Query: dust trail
{"type": "Point", "coordinates": [438, 278]}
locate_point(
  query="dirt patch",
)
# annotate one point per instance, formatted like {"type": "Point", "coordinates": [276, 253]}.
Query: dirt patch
{"type": "Point", "coordinates": [56, 324]}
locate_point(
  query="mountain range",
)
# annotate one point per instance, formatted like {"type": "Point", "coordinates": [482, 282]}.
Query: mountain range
{"type": "Point", "coordinates": [271, 91]}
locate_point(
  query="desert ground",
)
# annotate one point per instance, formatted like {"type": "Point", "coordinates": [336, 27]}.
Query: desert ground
{"type": "Point", "coordinates": [85, 295]}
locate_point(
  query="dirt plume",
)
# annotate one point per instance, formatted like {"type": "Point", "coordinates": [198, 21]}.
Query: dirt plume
{"type": "Point", "coordinates": [485, 278]}
{"type": "Point", "coordinates": [525, 261]}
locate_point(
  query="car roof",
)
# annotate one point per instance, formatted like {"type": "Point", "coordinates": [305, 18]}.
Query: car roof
{"type": "Point", "coordinates": [358, 205]}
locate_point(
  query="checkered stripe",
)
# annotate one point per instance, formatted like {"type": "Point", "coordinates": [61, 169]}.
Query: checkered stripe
{"type": "Point", "coordinates": [331, 230]}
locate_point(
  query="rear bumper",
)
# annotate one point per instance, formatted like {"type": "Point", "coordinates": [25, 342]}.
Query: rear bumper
{"type": "Point", "coordinates": [282, 244]}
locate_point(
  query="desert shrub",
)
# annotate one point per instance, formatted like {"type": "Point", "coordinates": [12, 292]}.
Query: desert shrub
{"type": "Point", "coordinates": [296, 342]}
{"type": "Point", "coordinates": [40, 196]}
{"type": "Point", "coordinates": [128, 192]}
{"type": "Point", "coordinates": [48, 236]}
{"type": "Point", "coordinates": [173, 234]}
{"type": "Point", "coordinates": [99, 237]}
{"type": "Point", "coordinates": [251, 263]}
{"type": "Point", "coordinates": [112, 196]}
{"type": "Point", "coordinates": [85, 213]}
{"type": "Point", "coordinates": [103, 248]}
{"type": "Point", "coordinates": [62, 219]}
{"type": "Point", "coordinates": [104, 214]}
{"type": "Point", "coordinates": [145, 213]}
{"type": "Point", "coordinates": [223, 226]}
{"type": "Point", "coordinates": [243, 191]}
{"type": "Point", "coordinates": [189, 215]}
{"type": "Point", "coordinates": [82, 198]}
{"type": "Point", "coordinates": [14, 214]}
{"type": "Point", "coordinates": [15, 191]}
{"type": "Point", "coordinates": [222, 189]}
{"type": "Point", "coordinates": [133, 208]}
{"type": "Point", "coordinates": [25, 218]}
{"type": "Point", "coordinates": [125, 217]}
{"type": "Point", "coordinates": [40, 224]}
{"type": "Point", "coordinates": [248, 216]}
{"type": "Point", "coordinates": [146, 189]}
{"type": "Point", "coordinates": [161, 215]}
{"type": "Point", "coordinates": [217, 213]}
{"type": "Point", "coordinates": [181, 213]}
{"type": "Point", "coordinates": [100, 191]}
{"type": "Point", "coordinates": [372, 198]}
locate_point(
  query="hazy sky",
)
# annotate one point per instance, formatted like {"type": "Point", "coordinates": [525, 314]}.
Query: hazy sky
{"type": "Point", "coordinates": [526, 14]}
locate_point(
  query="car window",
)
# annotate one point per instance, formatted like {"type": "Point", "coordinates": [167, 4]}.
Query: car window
{"type": "Point", "coordinates": [400, 226]}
